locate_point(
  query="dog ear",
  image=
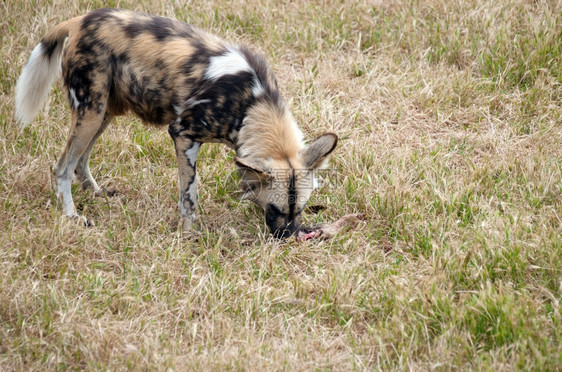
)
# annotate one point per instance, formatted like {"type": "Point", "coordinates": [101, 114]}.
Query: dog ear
{"type": "Point", "coordinates": [254, 175]}
{"type": "Point", "coordinates": [257, 167]}
{"type": "Point", "coordinates": [315, 154]}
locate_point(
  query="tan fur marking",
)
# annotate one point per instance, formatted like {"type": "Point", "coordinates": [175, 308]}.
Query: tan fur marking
{"type": "Point", "coordinates": [62, 30]}
{"type": "Point", "coordinates": [211, 42]}
{"type": "Point", "coordinates": [269, 132]}
{"type": "Point", "coordinates": [107, 32]}
{"type": "Point", "coordinates": [177, 51]}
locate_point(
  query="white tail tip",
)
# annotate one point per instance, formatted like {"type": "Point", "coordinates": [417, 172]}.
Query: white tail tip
{"type": "Point", "coordinates": [35, 81]}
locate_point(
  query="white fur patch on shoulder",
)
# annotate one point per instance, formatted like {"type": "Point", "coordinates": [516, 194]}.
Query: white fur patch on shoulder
{"type": "Point", "coordinates": [230, 63]}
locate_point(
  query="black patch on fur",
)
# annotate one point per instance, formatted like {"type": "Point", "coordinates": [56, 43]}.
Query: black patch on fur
{"type": "Point", "coordinates": [49, 48]}
{"type": "Point", "coordinates": [132, 30]}
{"type": "Point", "coordinates": [292, 194]}
{"type": "Point", "coordinates": [279, 225]}
{"type": "Point", "coordinates": [229, 99]}
{"type": "Point", "coordinates": [175, 130]}
{"type": "Point", "coordinates": [79, 80]}
{"type": "Point", "coordinates": [272, 217]}
{"type": "Point", "coordinates": [159, 27]}
{"type": "Point", "coordinates": [144, 99]}
{"type": "Point", "coordinates": [264, 76]}
{"type": "Point", "coordinates": [95, 18]}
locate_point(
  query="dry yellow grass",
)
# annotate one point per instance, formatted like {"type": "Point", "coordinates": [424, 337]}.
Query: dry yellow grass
{"type": "Point", "coordinates": [449, 114]}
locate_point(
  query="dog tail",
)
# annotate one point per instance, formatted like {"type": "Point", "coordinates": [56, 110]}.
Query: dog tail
{"type": "Point", "coordinates": [42, 69]}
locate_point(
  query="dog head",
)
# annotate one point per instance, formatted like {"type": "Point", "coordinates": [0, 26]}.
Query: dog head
{"type": "Point", "coordinates": [282, 187]}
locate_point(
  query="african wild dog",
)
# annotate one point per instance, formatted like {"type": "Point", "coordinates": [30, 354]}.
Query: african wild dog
{"type": "Point", "coordinates": [170, 73]}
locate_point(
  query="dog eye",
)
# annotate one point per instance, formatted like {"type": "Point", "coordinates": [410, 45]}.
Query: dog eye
{"type": "Point", "coordinates": [248, 186]}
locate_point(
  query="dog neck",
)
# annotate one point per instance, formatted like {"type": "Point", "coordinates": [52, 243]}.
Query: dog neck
{"type": "Point", "coordinates": [269, 132]}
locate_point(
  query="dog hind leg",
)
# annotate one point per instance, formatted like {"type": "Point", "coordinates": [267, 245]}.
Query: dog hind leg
{"type": "Point", "coordinates": [84, 129]}
{"type": "Point", "coordinates": [82, 171]}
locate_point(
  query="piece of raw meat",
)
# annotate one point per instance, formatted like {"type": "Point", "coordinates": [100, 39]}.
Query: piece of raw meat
{"type": "Point", "coordinates": [327, 230]}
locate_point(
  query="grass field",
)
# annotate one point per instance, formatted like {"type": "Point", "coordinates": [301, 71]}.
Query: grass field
{"type": "Point", "coordinates": [450, 122]}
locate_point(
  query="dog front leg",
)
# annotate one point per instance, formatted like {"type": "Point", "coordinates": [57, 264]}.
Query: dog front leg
{"type": "Point", "coordinates": [186, 152]}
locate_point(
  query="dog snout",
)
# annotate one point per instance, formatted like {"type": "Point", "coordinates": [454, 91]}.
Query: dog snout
{"type": "Point", "coordinates": [285, 231]}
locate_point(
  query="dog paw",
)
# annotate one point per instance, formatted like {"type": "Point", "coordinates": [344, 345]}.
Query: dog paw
{"type": "Point", "coordinates": [81, 220]}
{"type": "Point", "coordinates": [103, 192]}
{"type": "Point", "coordinates": [191, 234]}
{"type": "Point", "coordinates": [188, 228]}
